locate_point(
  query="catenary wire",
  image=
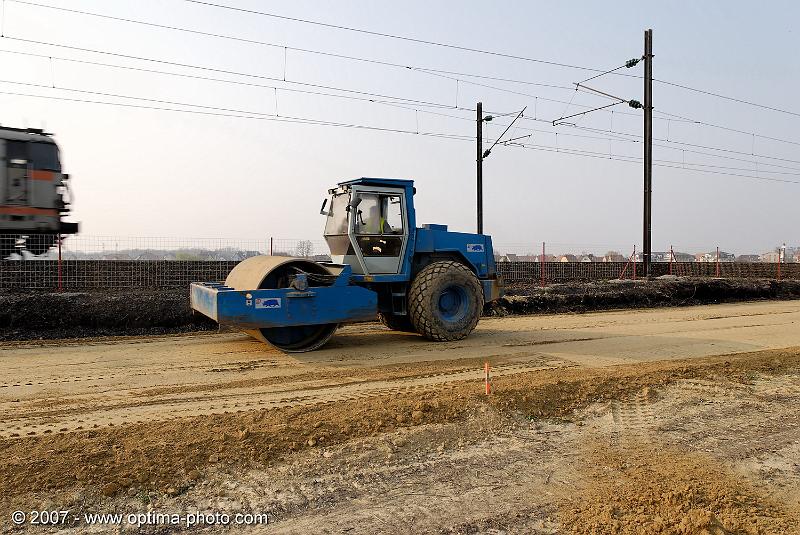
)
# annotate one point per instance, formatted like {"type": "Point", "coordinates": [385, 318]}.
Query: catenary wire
{"type": "Point", "coordinates": [380, 96]}
{"type": "Point", "coordinates": [394, 36]}
{"type": "Point", "coordinates": [428, 70]}
{"type": "Point", "coordinates": [386, 63]}
{"type": "Point", "coordinates": [488, 52]}
{"type": "Point", "coordinates": [44, 56]}
{"type": "Point", "coordinates": [301, 91]}
{"type": "Point", "coordinates": [312, 121]}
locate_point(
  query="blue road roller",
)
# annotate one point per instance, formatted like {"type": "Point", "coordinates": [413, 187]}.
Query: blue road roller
{"type": "Point", "coordinates": [423, 279]}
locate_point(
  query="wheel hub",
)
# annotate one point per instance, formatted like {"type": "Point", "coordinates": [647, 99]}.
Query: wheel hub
{"type": "Point", "coordinates": [453, 303]}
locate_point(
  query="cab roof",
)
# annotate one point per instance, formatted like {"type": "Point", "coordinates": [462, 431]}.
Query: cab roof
{"type": "Point", "coordinates": [379, 182]}
{"type": "Point", "coordinates": [25, 134]}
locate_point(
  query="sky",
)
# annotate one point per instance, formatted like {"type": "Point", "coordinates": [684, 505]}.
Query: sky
{"type": "Point", "coordinates": [156, 172]}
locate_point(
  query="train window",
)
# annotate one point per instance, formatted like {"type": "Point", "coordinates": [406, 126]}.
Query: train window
{"type": "Point", "coordinates": [17, 152]}
{"type": "Point", "coordinates": [44, 156]}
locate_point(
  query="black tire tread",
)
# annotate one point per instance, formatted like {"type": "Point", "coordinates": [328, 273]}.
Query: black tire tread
{"type": "Point", "coordinates": [397, 323]}
{"type": "Point", "coordinates": [420, 299]}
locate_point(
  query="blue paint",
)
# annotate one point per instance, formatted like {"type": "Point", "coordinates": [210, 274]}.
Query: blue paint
{"type": "Point", "coordinates": [326, 304]}
{"type": "Point", "coordinates": [474, 249]}
{"type": "Point", "coordinates": [351, 297]}
{"type": "Point", "coordinates": [453, 303]}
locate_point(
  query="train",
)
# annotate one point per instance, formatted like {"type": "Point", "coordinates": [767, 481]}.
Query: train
{"type": "Point", "coordinates": [35, 195]}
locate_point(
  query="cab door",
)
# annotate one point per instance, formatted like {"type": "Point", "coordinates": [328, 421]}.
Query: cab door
{"type": "Point", "coordinates": [379, 229]}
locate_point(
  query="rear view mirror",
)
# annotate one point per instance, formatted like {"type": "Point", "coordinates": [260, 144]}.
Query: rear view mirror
{"type": "Point", "coordinates": [322, 210]}
{"type": "Point", "coordinates": [355, 201]}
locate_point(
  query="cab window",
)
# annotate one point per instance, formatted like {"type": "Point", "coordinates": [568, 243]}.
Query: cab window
{"type": "Point", "coordinates": [379, 225]}
{"type": "Point", "coordinates": [379, 214]}
{"type": "Point", "coordinates": [336, 223]}
{"type": "Point", "coordinates": [44, 156]}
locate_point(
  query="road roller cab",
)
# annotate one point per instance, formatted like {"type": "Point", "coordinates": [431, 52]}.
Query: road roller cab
{"type": "Point", "coordinates": [427, 280]}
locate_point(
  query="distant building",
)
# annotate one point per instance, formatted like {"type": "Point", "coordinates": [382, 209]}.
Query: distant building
{"type": "Point", "coordinates": [509, 257]}
{"type": "Point", "coordinates": [568, 258]}
{"type": "Point", "coordinates": [547, 258]}
{"type": "Point", "coordinates": [748, 258]}
{"type": "Point", "coordinates": [589, 258]}
{"type": "Point", "coordinates": [613, 256]}
{"type": "Point", "coordinates": [149, 255]}
{"type": "Point", "coordinates": [712, 257]}
{"type": "Point", "coordinates": [771, 256]}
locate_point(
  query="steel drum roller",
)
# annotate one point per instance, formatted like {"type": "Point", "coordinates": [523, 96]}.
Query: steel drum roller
{"type": "Point", "coordinates": [273, 272]}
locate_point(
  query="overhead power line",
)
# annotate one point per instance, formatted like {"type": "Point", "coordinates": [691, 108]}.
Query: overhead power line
{"type": "Point", "coordinates": [416, 68]}
{"type": "Point", "coordinates": [560, 120]}
{"type": "Point", "coordinates": [427, 70]}
{"type": "Point", "coordinates": [489, 52]}
{"type": "Point", "coordinates": [627, 65]}
{"type": "Point", "coordinates": [241, 115]}
{"type": "Point", "coordinates": [262, 77]}
{"type": "Point", "coordinates": [696, 145]}
{"type": "Point", "coordinates": [384, 102]}
{"type": "Point", "coordinates": [221, 71]}
{"type": "Point", "coordinates": [367, 97]}
{"type": "Point", "coordinates": [394, 36]}
{"type": "Point", "coordinates": [395, 101]}
{"type": "Point", "coordinates": [726, 128]}
{"type": "Point", "coordinates": [248, 114]}
{"type": "Point", "coordinates": [732, 99]}
{"type": "Point", "coordinates": [362, 96]}
{"type": "Point", "coordinates": [489, 150]}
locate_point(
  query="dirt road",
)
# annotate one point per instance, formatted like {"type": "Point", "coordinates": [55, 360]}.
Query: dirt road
{"type": "Point", "coordinates": [681, 420]}
{"type": "Point", "coordinates": [53, 387]}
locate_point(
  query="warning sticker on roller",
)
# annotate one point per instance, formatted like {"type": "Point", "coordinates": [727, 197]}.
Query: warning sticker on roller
{"type": "Point", "coordinates": [474, 247]}
{"type": "Point", "coordinates": [268, 302]}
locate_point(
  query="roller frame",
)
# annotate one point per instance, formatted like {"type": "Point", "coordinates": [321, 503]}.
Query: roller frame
{"type": "Point", "coordinates": [286, 307]}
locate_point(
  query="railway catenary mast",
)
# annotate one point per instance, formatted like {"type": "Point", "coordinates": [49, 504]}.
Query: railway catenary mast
{"type": "Point", "coordinates": [34, 193]}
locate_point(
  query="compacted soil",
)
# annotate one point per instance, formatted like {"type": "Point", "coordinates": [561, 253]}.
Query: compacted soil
{"type": "Point", "coordinates": [667, 420]}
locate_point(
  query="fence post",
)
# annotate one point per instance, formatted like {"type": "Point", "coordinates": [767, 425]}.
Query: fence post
{"type": "Point", "coordinates": [60, 287]}
{"type": "Point", "coordinates": [779, 266]}
{"type": "Point", "coordinates": [270, 245]}
{"type": "Point", "coordinates": [717, 262]}
{"type": "Point", "coordinates": [541, 265]}
{"type": "Point", "coordinates": [671, 257]}
{"type": "Point", "coordinates": [634, 262]}
{"type": "Point", "coordinates": [630, 259]}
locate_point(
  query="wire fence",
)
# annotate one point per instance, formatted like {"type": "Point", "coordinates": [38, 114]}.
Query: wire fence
{"type": "Point", "coordinates": [109, 262]}
{"type": "Point", "coordinates": [137, 248]}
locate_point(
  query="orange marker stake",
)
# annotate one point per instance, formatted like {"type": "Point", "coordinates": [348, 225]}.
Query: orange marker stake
{"type": "Point", "coordinates": [486, 378]}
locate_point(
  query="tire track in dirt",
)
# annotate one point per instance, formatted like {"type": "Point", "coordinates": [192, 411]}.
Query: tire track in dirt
{"type": "Point", "coordinates": [120, 410]}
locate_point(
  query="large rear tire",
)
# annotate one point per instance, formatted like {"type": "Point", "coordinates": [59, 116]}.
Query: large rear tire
{"type": "Point", "coordinates": [445, 301]}
{"type": "Point", "coordinates": [397, 323]}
